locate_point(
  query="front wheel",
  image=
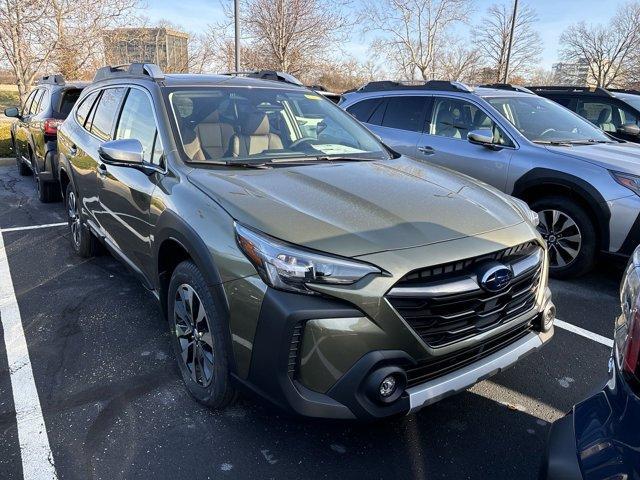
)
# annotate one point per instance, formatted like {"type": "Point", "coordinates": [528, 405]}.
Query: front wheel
{"type": "Point", "coordinates": [198, 335]}
{"type": "Point", "coordinates": [570, 236]}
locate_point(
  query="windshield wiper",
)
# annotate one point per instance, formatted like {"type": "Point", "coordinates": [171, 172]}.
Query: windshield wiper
{"type": "Point", "coordinates": [555, 143]}
{"type": "Point", "coordinates": [231, 163]}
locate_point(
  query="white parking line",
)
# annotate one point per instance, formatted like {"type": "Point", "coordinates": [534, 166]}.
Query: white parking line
{"type": "Point", "coordinates": [37, 458]}
{"type": "Point", "coordinates": [33, 227]}
{"type": "Point", "coordinates": [584, 333]}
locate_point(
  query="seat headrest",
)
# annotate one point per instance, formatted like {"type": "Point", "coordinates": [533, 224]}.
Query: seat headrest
{"type": "Point", "coordinates": [605, 115]}
{"type": "Point", "coordinates": [255, 123]}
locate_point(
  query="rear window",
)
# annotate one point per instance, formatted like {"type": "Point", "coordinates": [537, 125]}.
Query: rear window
{"type": "Point", "coordinates": [83, 109]}
{"type": "Point", "coordinates": [69, 98]}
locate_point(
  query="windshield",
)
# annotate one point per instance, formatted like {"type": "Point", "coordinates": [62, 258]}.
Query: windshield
{"type": "Point", "coordinates": [226, 124]}
{"type": "Point", "coordinates": [544, 121]}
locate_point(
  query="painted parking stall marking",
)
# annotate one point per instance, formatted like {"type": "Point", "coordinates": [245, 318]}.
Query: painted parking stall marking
{"type": "Point", "coordinates": [37, 458]}
{"type": "Point", "coordinates": [584, 333]}
{"type": "Point", "coordinates": [33, 227]}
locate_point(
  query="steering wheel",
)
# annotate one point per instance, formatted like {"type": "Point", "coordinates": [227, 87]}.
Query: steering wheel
{"type": "Point", "coordinates": [301, 141]}
{"type": "Point", "coordinates": [548, 130]}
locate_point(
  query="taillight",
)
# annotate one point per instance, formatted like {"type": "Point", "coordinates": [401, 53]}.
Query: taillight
{"type": "Point", "coordinates": [51, 126]}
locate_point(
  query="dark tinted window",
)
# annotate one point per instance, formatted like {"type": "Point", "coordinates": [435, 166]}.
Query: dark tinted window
{"type": "Point", "coordinates": [405, 113]}
{"type": "Point", "coordinates": [69, 98]}
{"type": "Point", "coordinates": [564, 101]}
{"type": "Point", "coordinates": [137, 121]}
{"type": "Point", "coordinates": [363, 110]}
{"type": "Point", "coordinates": [106, 110]}
{"type": "Point", "coordinates": [84, 108]}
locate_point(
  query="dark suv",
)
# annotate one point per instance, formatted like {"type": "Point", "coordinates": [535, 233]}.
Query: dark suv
{"type": "Point", "coordinates": [615, 111]}
{"type": "Point", "coordinates": [33, 135]}
{"type": "Point", "coordinates": [292, 253]}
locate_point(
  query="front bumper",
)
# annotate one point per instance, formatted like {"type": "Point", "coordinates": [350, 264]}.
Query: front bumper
{"type": "Point", "coordinates": [342, 332]}
{"type": "Point", "coordinates": [624, 225]}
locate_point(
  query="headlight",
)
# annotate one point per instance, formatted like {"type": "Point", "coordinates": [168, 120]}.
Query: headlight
{"type": "Point", "coordinates": [632, 182]}
{"type": "Point", "coordinates": [525, 211]}
{"type": "Point", "coordinates": [292, 268]}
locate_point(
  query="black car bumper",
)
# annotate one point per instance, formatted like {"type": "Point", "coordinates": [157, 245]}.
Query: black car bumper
{"type": "Point", "coordinates": [561, 458]}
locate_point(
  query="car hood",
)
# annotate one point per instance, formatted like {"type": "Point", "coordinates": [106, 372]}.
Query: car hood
{"type": "Point", "coordinates": [622, 157]}
{"type": "Point", "coordinates": [352, 209]}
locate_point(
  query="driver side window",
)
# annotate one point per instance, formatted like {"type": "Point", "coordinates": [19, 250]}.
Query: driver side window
{"type": "Point", "coordinates": [137, 121]}
{"type": "Point", "coordinates": [455, 118]}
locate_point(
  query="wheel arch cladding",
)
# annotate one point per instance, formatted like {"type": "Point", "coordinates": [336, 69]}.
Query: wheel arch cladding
{"type": "Point", "coordinates": [543, 182]}
{"type": "Point", "coordinates": [175, 241]}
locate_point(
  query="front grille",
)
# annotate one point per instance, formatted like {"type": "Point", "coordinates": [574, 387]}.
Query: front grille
{"type": "Point", "coordinates": [443, 313]}
{"type": "Point", "coordinates": [441, 366]}
{"type": "Point", "coordinates": [294, 350]}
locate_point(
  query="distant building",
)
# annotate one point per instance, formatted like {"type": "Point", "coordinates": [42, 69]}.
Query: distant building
{"type": "Point", "coordinates": [165, 47]}
{"type": "Point", "coordinates": [571, 73]}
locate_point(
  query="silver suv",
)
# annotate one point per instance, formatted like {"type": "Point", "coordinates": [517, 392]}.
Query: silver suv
{"type": "Point", "coordinates": [584, 184]}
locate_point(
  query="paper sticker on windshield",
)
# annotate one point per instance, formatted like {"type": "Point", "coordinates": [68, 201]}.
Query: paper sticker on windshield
{"type": "Point", "coordinates": [312, 97]}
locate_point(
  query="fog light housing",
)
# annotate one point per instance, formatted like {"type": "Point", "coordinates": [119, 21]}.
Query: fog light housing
{"type": "Point", "coordinates": [388, 386]}
{"type": "Point", "coordinates": [385, 385]}
{"type": "Point", "coordinates": [548, 316]}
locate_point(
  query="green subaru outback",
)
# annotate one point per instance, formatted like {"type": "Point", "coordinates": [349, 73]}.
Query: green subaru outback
{"type": "Point", "coordinates": [293, 254]}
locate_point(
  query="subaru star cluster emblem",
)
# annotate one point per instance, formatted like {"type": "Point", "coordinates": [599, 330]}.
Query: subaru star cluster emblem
{"type": "Point", "coordinates": [494, 276]}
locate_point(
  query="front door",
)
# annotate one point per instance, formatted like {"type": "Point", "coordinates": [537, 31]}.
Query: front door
{"type": "Point", "coordinates": [445, 141]}
{"type": "Point", "coordinates": [126, 192]}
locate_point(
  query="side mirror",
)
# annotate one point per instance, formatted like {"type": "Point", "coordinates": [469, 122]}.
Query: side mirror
{"type": "Point", "coordinates": [629, 129]}
{"type": "Point", "coordinates": [124, 152]}
{"type": "Point", "coordinates": [481, 137]}
{"type": "Point", "coordinates": [12, 112]}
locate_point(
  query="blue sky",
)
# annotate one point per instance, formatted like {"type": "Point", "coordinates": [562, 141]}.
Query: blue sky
{"type": "Point", "coordinates": [554, 15]}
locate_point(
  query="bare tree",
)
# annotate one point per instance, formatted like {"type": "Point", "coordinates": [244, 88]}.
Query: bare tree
{"type": "Point", "coordinates": [27, 39]}
{"type": "Point", "coordinates": [609, 51]}
{"type": "Point", "coordinates": [492, 37]}
{"type": "Point", "coordinates": [461, 62]}
{"type": "Point", "coordinates": [412, 34]}
{"type": "Point", "coordinates": [292, 34]}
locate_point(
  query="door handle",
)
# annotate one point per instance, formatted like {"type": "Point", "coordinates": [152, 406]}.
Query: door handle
{"type": "Point", "coordinates": [426, 150]}
{"type": "Point", "coordinates": [102, 169]}
{"type": "Point", "coordinates": [73, 151]}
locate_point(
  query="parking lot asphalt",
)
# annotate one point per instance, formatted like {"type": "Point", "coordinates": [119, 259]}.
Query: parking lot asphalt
{"type": "Point", "coordinates": [114, 405]}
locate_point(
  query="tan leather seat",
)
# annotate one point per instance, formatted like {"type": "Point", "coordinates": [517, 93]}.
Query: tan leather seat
{"type": "Point", "coordinates": [255, 136]}
{"type": "Point", "coordinates": [211, 139]}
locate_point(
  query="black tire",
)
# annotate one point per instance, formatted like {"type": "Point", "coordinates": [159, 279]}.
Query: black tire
{"type": "Point", "coordinates": [48, 191]}
{"type": "Point", "coordinates": [82, 240]}
{"type": "Point", "coordinates": [209, 382]}
{"type": "Point", "coordinates": [563, 244]}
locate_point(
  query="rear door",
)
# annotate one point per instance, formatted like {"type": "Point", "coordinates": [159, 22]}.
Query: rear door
{"type": "Point", "coordinates": [125, 192]}
{"type": "Point", "coordinates": [445, 141]}
{"type": "Point", "coordinates": [397, 120]}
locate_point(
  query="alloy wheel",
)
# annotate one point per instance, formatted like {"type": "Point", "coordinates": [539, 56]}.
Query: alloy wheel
{"type": "Point", "coordinates": [562, 235]}
{"type": "Point", "coordinates": [193, 334]}
{"type": "Point", "coordinates": [74, 217]}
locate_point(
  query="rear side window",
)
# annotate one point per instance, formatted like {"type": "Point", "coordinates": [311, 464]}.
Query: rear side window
{"type": "Point", "coordinates": [137, 121]}
{"type": "Point", "coordinates": [363, 110]}
{"type": "Point", "coordinates": [83, 109]}
{"type": "Point", "coordinates": [405, 113]}
{"type": "Point", "coordinates": [28, 102]}
{"type": "Point", "coordinates": [105, 112]}
{"type": "Point", "coordinates": [69, 98]}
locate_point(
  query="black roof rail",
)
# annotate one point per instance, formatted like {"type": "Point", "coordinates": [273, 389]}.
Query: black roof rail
{"type": "Point", "coordinates": [443, 85]}
{"type": "Point", "coordinates": [57, 79]}
{"type": "Point", "coordinates": [268, 75]}
{"type": "Point", "coordinates": [624, 90]}
{"type": "Point", "coordinates": [149, 70]}
{"type": "Point", "coordinates": [599, 91]}
{"type": "Point", "coordinates": [508, 86]}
